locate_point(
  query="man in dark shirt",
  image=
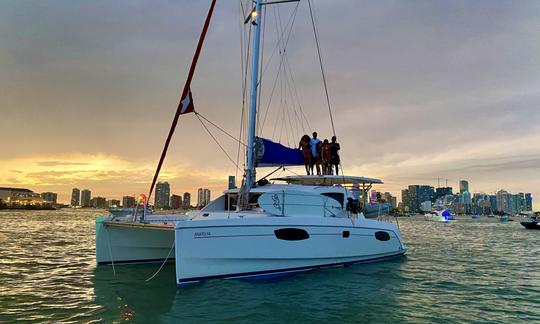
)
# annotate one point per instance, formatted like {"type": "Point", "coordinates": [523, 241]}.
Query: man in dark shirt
{"type": "Point", "coordinates": [334, 155]}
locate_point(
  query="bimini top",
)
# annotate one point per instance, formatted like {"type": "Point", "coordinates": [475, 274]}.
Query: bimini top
{"type": "Point", "coordinates": [327, 180]}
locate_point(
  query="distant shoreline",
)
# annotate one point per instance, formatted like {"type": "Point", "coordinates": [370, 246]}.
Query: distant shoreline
{"type": "Point", "coordinates": [27, 208]}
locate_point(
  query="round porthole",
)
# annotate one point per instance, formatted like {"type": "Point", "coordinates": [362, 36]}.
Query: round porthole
{"type": "Point", "coordinates": [382, 236]}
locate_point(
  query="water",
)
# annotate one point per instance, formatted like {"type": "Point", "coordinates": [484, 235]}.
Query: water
{"type": "Point", "coordinates": [467, 271]}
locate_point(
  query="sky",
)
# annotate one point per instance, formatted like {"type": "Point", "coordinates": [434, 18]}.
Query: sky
{"type": "Point", "coordinates": [419, 90]}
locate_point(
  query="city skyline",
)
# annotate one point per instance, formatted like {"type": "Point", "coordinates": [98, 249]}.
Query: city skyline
{"type": "Point", "coordinates": [458, 99]}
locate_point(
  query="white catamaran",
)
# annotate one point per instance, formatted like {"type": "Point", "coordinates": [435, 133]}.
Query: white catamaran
{"type": "Point", "coordinates": [293, 223]}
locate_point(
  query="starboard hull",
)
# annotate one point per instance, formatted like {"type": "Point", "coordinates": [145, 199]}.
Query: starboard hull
{"type": "Point", "coordinates": [247, 248]}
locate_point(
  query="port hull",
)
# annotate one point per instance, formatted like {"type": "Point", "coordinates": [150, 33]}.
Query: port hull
{"type": "Point", "coordinates": [129, 242]}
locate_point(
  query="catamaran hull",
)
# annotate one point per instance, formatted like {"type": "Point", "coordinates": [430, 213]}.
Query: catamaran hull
{"type": "Point", "coordinates": [124, 242]}
{"type": "Point", "coordinates": [247, 248]}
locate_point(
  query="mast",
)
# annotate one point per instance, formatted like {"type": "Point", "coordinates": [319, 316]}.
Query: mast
{"type": "Point", "coordinates": [256, 21]}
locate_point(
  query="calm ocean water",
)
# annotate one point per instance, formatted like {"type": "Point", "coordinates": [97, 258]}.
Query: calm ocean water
{"type": "Point", "coordinates": [467, 271]}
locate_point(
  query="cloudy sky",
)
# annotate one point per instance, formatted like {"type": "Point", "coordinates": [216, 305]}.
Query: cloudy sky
{"type": "Point", "coordinates": [419, 90]}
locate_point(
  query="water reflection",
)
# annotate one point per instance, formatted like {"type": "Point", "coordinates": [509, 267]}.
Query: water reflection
{"type": "Point", "coordinates": [127, 295]}
{"type": "Point", "coordinates": [461, 272]}
{"type": "Point", "coordinates": [341, 292]}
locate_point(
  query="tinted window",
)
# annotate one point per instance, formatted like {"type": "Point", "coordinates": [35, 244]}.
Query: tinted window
{"type": "Point", "coordinates": [382, 236]}
{"type": "Point", "coordinates": [335, 195]}
{"type": "Point", "coordinates": [291, 234]}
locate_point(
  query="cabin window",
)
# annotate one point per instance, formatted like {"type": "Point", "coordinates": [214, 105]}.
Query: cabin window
{"type": "Point", "coordinates": [335, 195]}
{"type": "Point", "coordinates": [382, 236]}
{"type": "Point", "coordinates": [231, 201]}
{"type": "Point", "coordinates": [346, 234]}
{"type": "Point", "coordinates": [291, 234]}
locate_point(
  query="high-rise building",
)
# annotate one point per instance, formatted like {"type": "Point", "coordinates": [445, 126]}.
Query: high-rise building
{"type": "Point", "coordinates": [443, 191]}
{"type": "Point", "coordinates": [503, 201]}
{"type": "Point", "coordinates": [520, 204]}
{"type": "Point", "coordinates": [75, 197]}
{"type": "Point", "coordinates": [113, 203]}
{"type": "Point", "coordinates": [528, 202]}
{"type": "Point", "coordinates": [394, 204]}
{"type": "Point", "coordinates": [50, 197]}
{"type": "Point", "coordinates": [98, 202]}
{"type": "Point", "coordinates": [466, 200]}
{"type": "Point", "coordinates": [128, 201]}
{"type": "Point", "coordinates": [419, 194]}
{"type": "Point", "coordinates": [176, 202]}
{"type": "Point", "coordinates": [86, 195]}
{"type": "Point", "coordinates": [463, 186]}
{"type": "Point", "coordinates": [493, 202]}
{"type": "Point", "coordinates": [186, 203]}
{"type": "Point", "coordinates": [232, 182]}
{"type": "Point", "coordinates": [206, 194]}
{"type": "Point", "coordinates": [163, 193]}
{"type": "Point", "coordinates": [389, 199]}
{"type": "Point", "coordinates": [200, 197]}
{"type": "Point", "coordinates": [406, 201]}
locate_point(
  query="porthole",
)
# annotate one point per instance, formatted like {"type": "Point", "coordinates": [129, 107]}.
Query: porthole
{"type": "Point", "coordinates": [382, 236]}
{"type": "Point", "coordinates": [291, 234]}
{"type": "Point", "coordinates": [346, 234]}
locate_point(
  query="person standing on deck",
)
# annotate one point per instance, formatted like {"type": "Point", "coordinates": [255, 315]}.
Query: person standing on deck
{"type": "Point", "coordinates": [305, 147]}
{"type": "Point", "coordinates": [315, 156]}
{"type": "Point", "coordinates": [325, 158]}
{"type": "Point", "coordinates": [334, 155]}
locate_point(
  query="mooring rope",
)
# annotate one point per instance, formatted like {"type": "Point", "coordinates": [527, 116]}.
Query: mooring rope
{"type": "Point", "coordinates": [163, 264]}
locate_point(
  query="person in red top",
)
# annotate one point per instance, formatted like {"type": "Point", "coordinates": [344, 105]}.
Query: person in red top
{"type": "Point", "coordinates": [305, 147]}
{"type": "Point", "coordinates": [325, 157]}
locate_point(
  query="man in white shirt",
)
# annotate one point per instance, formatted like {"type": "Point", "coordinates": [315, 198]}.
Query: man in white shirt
{"type": "Point", "coordinates": [315, 154]}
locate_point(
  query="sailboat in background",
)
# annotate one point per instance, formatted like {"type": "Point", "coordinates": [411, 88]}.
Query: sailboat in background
{"type": "Point", "coordinates": [288, 224]}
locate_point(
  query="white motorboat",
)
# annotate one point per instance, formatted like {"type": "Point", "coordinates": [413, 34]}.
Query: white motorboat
{"type": "Point", "coordinates": [293, 223]}
{"type": "Point", "coordinates": [443, 215]}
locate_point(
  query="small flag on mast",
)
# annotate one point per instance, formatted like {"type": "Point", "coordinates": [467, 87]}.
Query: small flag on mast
{"type": "Point", "coordinates": [186, 104]}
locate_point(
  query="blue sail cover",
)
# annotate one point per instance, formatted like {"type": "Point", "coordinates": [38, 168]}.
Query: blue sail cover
{"type": "Point", "coordinates": [268, 154]}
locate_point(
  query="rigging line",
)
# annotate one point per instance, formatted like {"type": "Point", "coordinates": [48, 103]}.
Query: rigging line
{"type": "Point", "coordinates": [215, 140]}
{"type": "Point", "coordinates": [242, 50]}
{"type": "Point", "coordinates": [296, 94]}
{"type": "Point", "coordinates": [291, 21]}
{"type": "Point", "coordinates": [284, 83]}
{"type": "Point", "coordinates": [185, 92]}
{"type": "Point", "coordinates": [290, 103]}
{"type": "Point", "coordinates": [280, 62]}
{"type": "Point", "coordinates": [316, 34]}
{"type": "Point", "coordinates": [297, 121]}
{"type": "Point", "coordinates": [286, 106]}
{"type": "Point", "coordinates": [244, 90]}
{"type": "Point", "coordinates": [269, 174]}
{"type": "Point", "coordinates": [289, 169]}
{"type": "Point", "coordinates": [221, 129]}
{"type": "Point", "coordinates": [259, 82]}
{"type": "Point", "coordinates": [269, 101]}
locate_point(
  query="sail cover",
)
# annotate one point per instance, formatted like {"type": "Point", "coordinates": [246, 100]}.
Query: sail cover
{"type": "Point", "coordinates": [268, 154]}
